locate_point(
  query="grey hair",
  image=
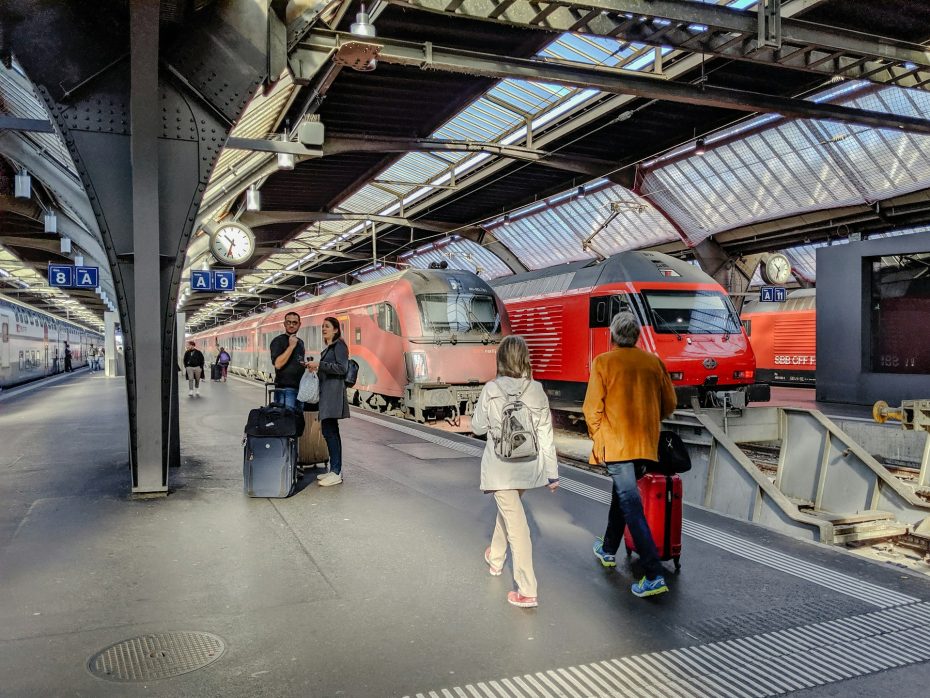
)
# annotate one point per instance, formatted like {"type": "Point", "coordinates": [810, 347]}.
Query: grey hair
{"type": "Point", "coordinates": [624, 330]}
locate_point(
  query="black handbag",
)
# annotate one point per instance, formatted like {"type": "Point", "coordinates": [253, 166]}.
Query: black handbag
{"type": "Point", "coordinates": [673, 454]}
{"type": "Point", "coordinates": [275, 420]}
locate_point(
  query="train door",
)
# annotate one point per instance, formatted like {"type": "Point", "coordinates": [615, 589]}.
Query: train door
{"type": "Point", "coordinates": [5, 322]}
{"type": "Point", "coordinates": [601, 311]}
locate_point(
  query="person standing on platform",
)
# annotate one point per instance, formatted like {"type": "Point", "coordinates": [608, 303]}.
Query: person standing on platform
{"type": "Point", "coordinates": [332, 368]}
{"type": "Point", "coordinates": [193, 366]}
{"type": "Point", "coordinates": [223, 360]}
{"type": "Point", "coordinates": [507, 479]}
{"type": "Point", "coordinates": [68, 368]}
{"type": "Point", "coordinates": [628, 396]}
{"type": "Point", "coordinates": [287, 355]}
{"type": "Point", "coordinates": [101, 360]}
{"type": "Point", "coordinates": [93, 359]}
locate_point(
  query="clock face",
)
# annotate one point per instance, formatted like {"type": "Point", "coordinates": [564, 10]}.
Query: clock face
{"type": "Point", "coordinates": [232, 244]}
{"type": "Point", "coordinates": [777, 269]}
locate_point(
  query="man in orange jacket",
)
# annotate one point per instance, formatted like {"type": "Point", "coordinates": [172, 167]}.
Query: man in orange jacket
{"type": "Point", "coordinates": [628, 396]}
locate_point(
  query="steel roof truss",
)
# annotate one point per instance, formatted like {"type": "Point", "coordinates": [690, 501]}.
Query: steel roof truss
{"type": "Point", "coordinates": [707, 28]}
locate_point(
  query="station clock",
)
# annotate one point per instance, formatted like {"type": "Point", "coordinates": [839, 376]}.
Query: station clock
{"type": "Point", "coordinates": [232, 243]}
{"type": "Point", "coordinates": [776, 269]}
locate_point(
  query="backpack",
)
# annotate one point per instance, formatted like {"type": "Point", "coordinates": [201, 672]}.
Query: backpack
{"type": "Point", "coordinates": [351, 374]}
{"type": "Point", "coordinates": [516, 439]}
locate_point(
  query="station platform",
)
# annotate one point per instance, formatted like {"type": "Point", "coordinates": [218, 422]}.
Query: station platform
{"type": "Point", "coordinates": [378, 587]}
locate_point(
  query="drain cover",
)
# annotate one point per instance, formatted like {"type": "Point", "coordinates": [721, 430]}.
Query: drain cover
{"type": "Point", "coordinates": [156, 656]}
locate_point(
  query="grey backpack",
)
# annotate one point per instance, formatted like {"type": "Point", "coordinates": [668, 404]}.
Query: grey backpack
{"type": "Point", "coordinates": [516, 439]}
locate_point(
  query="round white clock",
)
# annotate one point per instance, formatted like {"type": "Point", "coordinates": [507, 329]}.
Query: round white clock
{"type": "Point", "coordinates": [232, 243]}
{"type": "Point", "coordinates": [776, 269]}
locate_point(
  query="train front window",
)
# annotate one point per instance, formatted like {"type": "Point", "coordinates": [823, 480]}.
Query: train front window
{"type": "Point", "coordinates": [458, 314]}
{"type": "Point", "coordinates": [691, 312]}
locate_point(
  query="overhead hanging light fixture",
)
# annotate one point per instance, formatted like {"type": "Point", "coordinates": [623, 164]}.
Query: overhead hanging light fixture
{"type": "Point", "coordinates": [22, 185]}
{"type": "Point", "coordinates": [700, 146]}
{"type": "Point", "coordinates": [581, 191]}
{"type": "Point", "coordinates": [79, 260]}
{"type": "Point", "coordinates": [253, 199]}
{"type": "Point", "coordinates": [51, 222]}
{"type": "Point", "coordinates": [66, 245]}
{"type": "Point", "coordinates": [286, 161]}
{"type": "Point", "coordinates": [363, 27]}
{"type": "Point", "coordinates": [507, 219]}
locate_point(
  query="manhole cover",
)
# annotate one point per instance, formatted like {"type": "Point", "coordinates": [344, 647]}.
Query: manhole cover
{"type": "Point", "coordinates": [156, 656]}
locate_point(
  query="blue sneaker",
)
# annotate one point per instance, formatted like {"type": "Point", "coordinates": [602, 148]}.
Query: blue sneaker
{"type": "Point", "coordinates": [649, 587]}
{"type": "Point", "coordinates": [606, 559]}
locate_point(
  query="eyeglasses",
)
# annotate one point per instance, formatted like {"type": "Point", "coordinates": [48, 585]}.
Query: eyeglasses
{"type": "Point", "coordinates": [292, 322]}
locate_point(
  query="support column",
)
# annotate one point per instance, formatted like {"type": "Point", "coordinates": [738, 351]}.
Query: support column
{"type": "Point", "coordinates": [147, 306]}
{"type": "Point", "coordinates": [110, 358]}
{"type": "Point", "coordinates": [731, 273]}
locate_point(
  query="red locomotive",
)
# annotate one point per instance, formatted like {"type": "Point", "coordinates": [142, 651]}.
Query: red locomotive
{"type": "Point", "coordinates": [564, 313]}
{"type": "Point", "coordinates": [425, 341]}
{"type": "Point", "coordinates": [784, 338]}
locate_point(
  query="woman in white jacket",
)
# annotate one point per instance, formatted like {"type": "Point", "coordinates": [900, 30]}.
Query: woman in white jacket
{"type": "Point", "coordinates": [507, 478]}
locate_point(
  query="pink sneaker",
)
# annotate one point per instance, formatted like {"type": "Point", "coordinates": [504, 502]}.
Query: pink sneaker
{"type": "Point", "coordinates": [495, 571]}
{"type": "Point", "coordinates": [517, 599]}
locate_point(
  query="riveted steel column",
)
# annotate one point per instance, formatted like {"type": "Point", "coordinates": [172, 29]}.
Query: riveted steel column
{"type": "Point", "coordinates": [145, 129]}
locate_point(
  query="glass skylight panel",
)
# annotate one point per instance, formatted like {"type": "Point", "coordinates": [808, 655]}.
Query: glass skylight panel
{"type": "Point", "coordinates": [459, 253]}
{"type": "Point", "coordinates": [413, 167]}
{"type": "Point", "coordinates": [370, 273]}
{"type": "Point", "coordinates": [368, 199]}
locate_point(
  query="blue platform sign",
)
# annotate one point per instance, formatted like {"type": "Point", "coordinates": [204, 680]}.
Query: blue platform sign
{"type": "Point", "coordinates": [86, 277]}
{"type": "Point", "coordinates": [201, 280]}
{"type": "Point", "coordinates": [61, 275]}
{"type": "Point", "coordinates": [773, 294]}
{"type": "Point", "coordinates": [224, 280]}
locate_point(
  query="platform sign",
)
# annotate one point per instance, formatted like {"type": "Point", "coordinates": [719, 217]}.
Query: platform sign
{"type": "Point", "coordinates": [773, 294]}
{"type": "Point", "coordinates": [224, 280]}
{"type": "Point", "coordinates": [201, 280]}
{"type": "Point", "coordinates": [60, 275]}
{"type": "Point", "coordinates": [86, 277]}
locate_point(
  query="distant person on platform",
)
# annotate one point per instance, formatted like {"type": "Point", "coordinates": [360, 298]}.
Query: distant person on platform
{"type": "Point", "coordinates": [628, 396]}
{"type": "Point", "coordinates": [93, 359]}
{"type": "Point", "coordinates": [287, 355]}
{"type": "Point", "coordinates": [223, 360]}
{"type": "Point", "coordinates": [68, 368]}
{"type": "Point", "coordinates": [332, 369]}
{"type": "Point", "coordinates": [193, 366]}
{"type": "Point", "coordinates": [101, 359]}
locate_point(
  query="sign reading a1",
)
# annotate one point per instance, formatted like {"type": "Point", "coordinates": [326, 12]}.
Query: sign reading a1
{"type": "Point", "coordinates": [773, 294]}
{"type": "Point", "coordinates": [224, 280]}
{"type": "Point", "coordinates": [201, 280]}
{"type": "Point", "coordinates": [60, 275]}
{"type": "Point", "coordinates": [86, 277]}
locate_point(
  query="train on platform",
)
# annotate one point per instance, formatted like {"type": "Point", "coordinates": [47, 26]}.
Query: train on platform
{"type": "Point", "coordinates": [687, 319]}
{"type": "Point", "coordinates": [425, 341]}
{"type": "Point", "coordinates": [32, 343]}
{"type": "Point", "coordinates": [784, 338]}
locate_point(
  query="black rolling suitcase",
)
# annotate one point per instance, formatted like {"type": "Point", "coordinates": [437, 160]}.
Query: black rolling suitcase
{"type": "Point", "coordinates": [216, 372]}
{"type": "Point", "coordinates": [269, 462]}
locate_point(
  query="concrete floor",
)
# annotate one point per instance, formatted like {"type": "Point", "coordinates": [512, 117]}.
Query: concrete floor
{"type": "Point", "coordinates": [376, 587]}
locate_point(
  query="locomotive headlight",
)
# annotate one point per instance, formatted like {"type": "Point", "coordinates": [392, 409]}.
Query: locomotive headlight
{"type": "Point", "coordinates": [677, 375]}
{"type": "Point", "coordinates": [417, 370]}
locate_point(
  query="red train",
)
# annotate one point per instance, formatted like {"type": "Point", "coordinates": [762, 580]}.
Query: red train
{"type": "Point", "coordinates": [784, 338]}
{"type": "Point", "coordinates": [425, 341]}
{"type": "Point", "coordinates": [687, 319]}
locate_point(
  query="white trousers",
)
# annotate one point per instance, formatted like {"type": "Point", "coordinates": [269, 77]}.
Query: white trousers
{"type": "Point", "coordinates": [512, 529]}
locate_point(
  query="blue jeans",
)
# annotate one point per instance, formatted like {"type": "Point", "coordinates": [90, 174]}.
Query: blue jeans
{"type": "Point", "coordinates": [626, 510]}
{"type": "Point", "coordinates": [287, 397]}
{"type": "Point", "coordinates": [330, 429]}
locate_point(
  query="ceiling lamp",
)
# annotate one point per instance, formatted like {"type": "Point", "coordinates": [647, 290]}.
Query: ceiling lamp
{"type": "Point", "coordinates": [253, 199]}
{"type": "Point", "coordinates": [363, 27]}
{"type": "Point", "coordinates": [51, 222]}
{"type": "Point", "coordinates": [286, 161]}
{"type": "Point", "coordinates": [66, 245]}
{"type": "Point", "coordinates": [79, 260]}
{"type": "Point", "coordinates": [581, 191]}
{"type": "Point", "coordinates": [22, 185]}
{"type": "Point", "coordinates": [507, 219]}
{"type": "Point", "coordinates": [700, 146]}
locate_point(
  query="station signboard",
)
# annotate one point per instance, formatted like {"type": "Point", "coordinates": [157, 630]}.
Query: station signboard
{"type": "Point", "coordinates": [86, 277]}
{"type": "Point", "coordinates": [223, 280]}
{"type": "Point", "coordinates": [773, 294]}
{"type": "Point", "coordinates": [60, 275]}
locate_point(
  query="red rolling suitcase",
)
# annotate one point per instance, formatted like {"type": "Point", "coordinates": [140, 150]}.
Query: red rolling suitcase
{"type": "Point", "coordinates": [661, 495]}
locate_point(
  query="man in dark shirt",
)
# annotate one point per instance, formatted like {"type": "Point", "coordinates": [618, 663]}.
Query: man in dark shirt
{"type": "Point", "coordinates": [193, 367]}
{"type": "Point", "coordinates": [287, 355]}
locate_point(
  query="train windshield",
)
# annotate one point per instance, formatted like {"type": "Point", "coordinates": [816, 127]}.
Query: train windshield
{"type": "Point", "coordinates": [691, 312]}
{"type": "Point", "coordinates": [458, 314]}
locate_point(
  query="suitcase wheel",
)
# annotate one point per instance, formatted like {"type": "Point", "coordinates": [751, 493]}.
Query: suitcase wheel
{"type": "Point", "coordinates": [677, 563]}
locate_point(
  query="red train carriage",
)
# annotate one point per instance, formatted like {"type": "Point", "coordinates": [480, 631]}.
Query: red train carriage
{"type": "Point", "coordinates": [687, 319]}
{"type": "Point", "coordinates": [784, 338]}
{"type": "Point", "coordinates": [425, 341]}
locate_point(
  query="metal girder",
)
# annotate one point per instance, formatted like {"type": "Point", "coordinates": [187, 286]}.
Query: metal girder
{"type": "Point", "coordinates": [259, 218]}
{"type": "Point", "coordinates": [13, 123]}
{"type": "Point", "coordinates": [711, 29]}
{"type": "Point", "coordinates": [336, 145]}
{"type": "Point", "coordinates": [426, 56]}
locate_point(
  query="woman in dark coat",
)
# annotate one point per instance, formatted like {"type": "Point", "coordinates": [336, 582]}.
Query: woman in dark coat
{"type": "Point", "coordinates": [332, 368]}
